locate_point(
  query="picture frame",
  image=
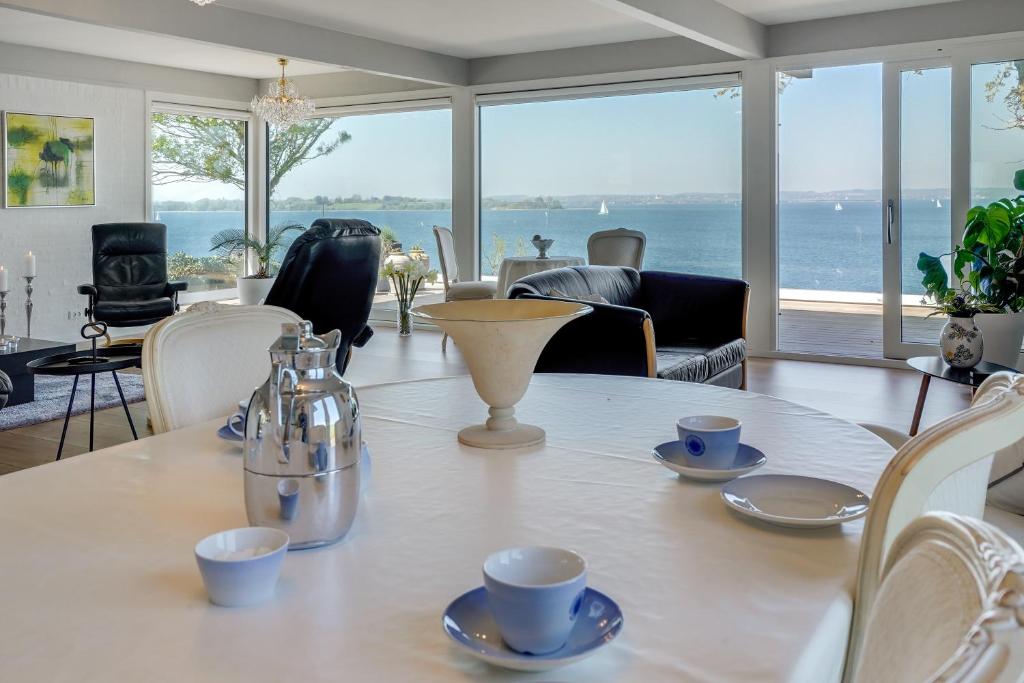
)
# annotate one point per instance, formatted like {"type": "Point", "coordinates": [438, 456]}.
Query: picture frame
{"type": "Point", "coordinates": [49, 160]}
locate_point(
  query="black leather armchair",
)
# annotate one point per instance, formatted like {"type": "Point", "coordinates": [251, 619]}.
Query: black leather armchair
{"type": "Point", "coordinates": [654, 324]}
{"type": "Point", "coordinates": [129, 275]}
{"type": "Point", "coordinates": [329, 276]}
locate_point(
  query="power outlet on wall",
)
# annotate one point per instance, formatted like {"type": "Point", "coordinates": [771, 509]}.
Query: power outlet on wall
{"type": "Point", "coordinates": [72, 315]}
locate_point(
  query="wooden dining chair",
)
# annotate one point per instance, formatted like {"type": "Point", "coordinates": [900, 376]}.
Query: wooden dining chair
{"type": "Point", "coordinates": [454, 288]}
{"type": "Point", "coordinates": [949, 607]}
{"type": "Point", "coordinates": [198, 365]}
{"type": "Point", "coordinates": [943, 468]}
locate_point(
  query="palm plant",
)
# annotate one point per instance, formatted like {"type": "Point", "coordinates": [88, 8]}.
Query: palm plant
{"type": "Point", "coordinates": [232, 243]}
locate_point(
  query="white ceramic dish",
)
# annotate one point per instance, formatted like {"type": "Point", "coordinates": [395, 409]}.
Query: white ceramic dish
{"type": "Point", "coordinates": [672, 455]}
{"type": "Point", "coordinates": [794, 501]}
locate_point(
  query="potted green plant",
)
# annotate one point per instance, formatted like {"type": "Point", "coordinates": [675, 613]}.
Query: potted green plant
{"type": "Point", "coordinates": [232, 245]}
{"type": "Point", "coordinates": [990, 265]}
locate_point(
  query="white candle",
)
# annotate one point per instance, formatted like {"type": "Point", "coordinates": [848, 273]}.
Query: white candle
{"type": "Point", "coordinates": [30, 264]}
{"type": "Point", "coordinates": [3, 279]}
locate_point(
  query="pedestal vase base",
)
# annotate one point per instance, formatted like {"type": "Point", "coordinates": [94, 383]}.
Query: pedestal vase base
{"type": "Point", "coordinates": [479, 436]}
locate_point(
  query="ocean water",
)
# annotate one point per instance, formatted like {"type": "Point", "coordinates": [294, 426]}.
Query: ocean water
{"type": "Point", "coordinates": [819, 248]}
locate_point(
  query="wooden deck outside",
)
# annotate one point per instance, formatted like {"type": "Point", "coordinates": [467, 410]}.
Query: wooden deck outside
{"type": "Point", "coordinates": [841, 329]}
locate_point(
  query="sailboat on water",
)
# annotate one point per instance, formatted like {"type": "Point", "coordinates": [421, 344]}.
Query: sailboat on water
{"type": "Point", "coordinates": [604, 209]}
{"type": "Point", "coordinates": [938, 204]}
{"type": "Point", "coordinates": [839, 207]}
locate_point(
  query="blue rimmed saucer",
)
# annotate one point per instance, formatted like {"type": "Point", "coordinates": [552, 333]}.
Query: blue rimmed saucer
{"type": "Point", "coordinates": [225, 433]}
{"type": "Point", "coordinates": [469, 623]}
{"type": "Point", "coordinates": [673, 455]}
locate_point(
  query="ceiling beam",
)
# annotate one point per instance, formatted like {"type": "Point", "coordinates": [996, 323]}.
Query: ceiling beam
{"type": "Point", "coordinates": [705, 21]}
{"type": "Point", "coordinates": [219, 25]}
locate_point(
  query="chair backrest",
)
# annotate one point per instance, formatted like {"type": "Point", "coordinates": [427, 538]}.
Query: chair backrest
{"type": "Point", "coordinates": [618, 286]}
{"type": "Point", "coordinates": [200, 364]}
{"type": "Point", "coordinates": [618, 247]}
{"type": "Point", "coordinates": [942, 468]}
{"type": "Point", "coordinates": [949, 607]}
{"type": "Point", "coordinates": [129, 261]}
{"type": "Point", "coordinates": [446, 254]}
{"type": "Point", "coordinates": [329, 277]}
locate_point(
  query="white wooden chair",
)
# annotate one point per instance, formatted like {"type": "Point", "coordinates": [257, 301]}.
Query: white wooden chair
{"type": "Point", "coordinates": [618, 247]}
{"type": "Point", "coordinates": [943, 468]}
{"type": "Point", "coordinates": [454, 288]}
{"type": "Point", "coordinates": [949, 608]}
{"type": "Point", "coordinates": [198, 365]}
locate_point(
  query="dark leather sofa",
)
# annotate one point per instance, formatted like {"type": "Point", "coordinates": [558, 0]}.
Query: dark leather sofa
{"type": "Point", "coordinates": [129, 275]}
{"type": "Point", "coordinates": [655, 324]}
{"type": "Point", "coordinates": [329, 276]}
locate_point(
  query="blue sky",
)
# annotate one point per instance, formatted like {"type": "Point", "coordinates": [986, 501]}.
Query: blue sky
{"type": "Point", "coordinates": [830, 139]}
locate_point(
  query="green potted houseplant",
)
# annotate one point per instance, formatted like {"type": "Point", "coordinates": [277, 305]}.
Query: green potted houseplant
{"type": "Point", "coordinates": [232, 244]}
{"type": "Point", "coordinates": [990, 265]}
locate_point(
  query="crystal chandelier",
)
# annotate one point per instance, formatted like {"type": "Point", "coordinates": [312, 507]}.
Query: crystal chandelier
{"type": "Point", "coordinates": [282, 105]}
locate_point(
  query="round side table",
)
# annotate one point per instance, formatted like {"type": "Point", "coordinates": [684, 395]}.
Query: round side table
{"type": "Point", "coordinates": [933, 366]}
{"type": "Point", "coordinates": [80, 363]}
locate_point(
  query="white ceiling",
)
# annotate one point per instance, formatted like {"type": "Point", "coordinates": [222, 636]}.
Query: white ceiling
{"type": "Point", "coordinates": [464, 28]}
{"type": "Point", "coordinates": [24, 28]}
{"type": "Point", "coordinates": [784, 11]}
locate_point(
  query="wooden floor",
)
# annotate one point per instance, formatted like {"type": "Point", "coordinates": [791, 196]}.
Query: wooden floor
{"type": "Point", "coordinates": [830, 329]}
{"type": "Point", "coordinates": [855, 393]}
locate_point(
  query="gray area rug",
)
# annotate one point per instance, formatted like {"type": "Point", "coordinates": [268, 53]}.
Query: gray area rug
{"type": "Point", "coordinates": [52, 394]}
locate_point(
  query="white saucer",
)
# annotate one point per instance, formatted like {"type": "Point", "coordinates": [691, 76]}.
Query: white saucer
{"type": "Point", "coordinates": [793, 501]}
{"type": "Point", "coordinates": [672, 455]}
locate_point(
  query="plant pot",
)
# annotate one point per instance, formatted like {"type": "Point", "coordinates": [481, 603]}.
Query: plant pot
{"type": "Point", "coordinates": [253, 290]}
{"type": "Point", "coordinates": [383, 285]}
{"type": "Point", "coordinates": [501, 341]}
{"type": "Point", "coordinates": [1003, 334]}
{"type": "Point", "coordinates": [961, 343]}
{"type": "Point", "coordinates": [421, 256]}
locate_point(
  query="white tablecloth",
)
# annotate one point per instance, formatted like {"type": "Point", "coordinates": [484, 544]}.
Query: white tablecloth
{"type": "Point", "coordinates": [98, 581]}
{"type": "Point", "coordinates": [515, 267]}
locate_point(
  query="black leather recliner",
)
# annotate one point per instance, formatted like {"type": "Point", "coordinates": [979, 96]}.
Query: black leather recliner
{"type": "Point", "coordinates": [655, 324]}
{"type": "Point", "coordinates": [329, 276]}
{"type": "Point", "coordinates": [129, 275]}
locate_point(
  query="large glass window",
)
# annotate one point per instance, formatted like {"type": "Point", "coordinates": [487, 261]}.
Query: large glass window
{"type": "Point", "coordinates": [830, 210]}
{"type": "Point", "coordinates": [393, 169]}
{"type": "Point", "coordinates": [997, 129]}
{"type": "Point", "coordinates": [667, 163]}
{"type": "Point", "coordinates": [199, 185]}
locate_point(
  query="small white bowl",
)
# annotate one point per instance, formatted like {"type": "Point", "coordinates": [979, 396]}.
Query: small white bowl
{"type": "Point", "coordinates": [241, 566]}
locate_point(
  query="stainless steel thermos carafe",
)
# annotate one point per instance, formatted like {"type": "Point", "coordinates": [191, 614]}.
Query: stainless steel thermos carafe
{"type": "Point", "coordinates": [303, 441]}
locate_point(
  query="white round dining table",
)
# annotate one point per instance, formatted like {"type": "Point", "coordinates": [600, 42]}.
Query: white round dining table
{"type": "Point", "coordinates": [514, 267]}
{"type": "Point", "coordinates": [98, 580]}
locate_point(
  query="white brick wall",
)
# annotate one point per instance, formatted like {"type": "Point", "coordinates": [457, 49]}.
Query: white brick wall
{"type": "Point", "coordinates": [61, 237]}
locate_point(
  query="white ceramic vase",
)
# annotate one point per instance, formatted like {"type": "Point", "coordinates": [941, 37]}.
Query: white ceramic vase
{"type": "Point", "coordinates": [253, 290]}
{"type": "Point", "coordinates": [961, 342]}
{"type": "Point", "coordinates": [1003, 333]}
{"type": "Point", "coordinates": [501, 340]}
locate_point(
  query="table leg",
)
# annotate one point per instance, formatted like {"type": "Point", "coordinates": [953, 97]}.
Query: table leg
{"type": "Point", "coordinates": [92, 407]}
{"type": "Point", "coordinates": [124, 403]}
{"type": "Point", "coordinates": [67, 416]}
{"type": "Point", "coordinates": [926, 380]}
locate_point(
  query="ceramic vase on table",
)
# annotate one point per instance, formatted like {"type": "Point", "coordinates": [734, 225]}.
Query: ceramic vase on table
{"type": "Point", "coordinates": [1003, 334]}
{"type": "Point", "coordinates": [253, 290]}
{"type": "Point", "coordinates": [501, 340]}
{"type": "Point", "coordinates": [961, 343]}
{"type": "Point", "coordinates": [421, 256]}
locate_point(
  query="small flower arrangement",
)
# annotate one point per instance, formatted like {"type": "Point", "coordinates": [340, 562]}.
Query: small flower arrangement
{"type": "Point", "coordinates": [406, 278]}
{"type": "Point", "coordinates": [962, 304]}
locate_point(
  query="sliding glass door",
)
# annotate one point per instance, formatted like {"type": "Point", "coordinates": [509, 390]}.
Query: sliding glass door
{"type": "Point", "coordinates": [918, 197]}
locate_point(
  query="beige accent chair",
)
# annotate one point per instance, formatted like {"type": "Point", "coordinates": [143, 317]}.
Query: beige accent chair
{"type": "Point", "coordinates": [949, 607]}
{"type": "Point", "coordinates": [454, 288]}
{"type": "Point", "coordinates": [198, 365]}
{"type": "Point", "coordinates": [943, 468]}
{"type": "Point", "coordinates": [618, 247]}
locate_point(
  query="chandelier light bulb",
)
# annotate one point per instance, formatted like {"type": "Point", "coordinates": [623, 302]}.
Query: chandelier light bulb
{"type": "Point", "coordinates": [203, 3]}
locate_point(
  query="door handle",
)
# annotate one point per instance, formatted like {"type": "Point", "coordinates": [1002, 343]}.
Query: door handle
{"type": "Point", "coordinates": [891, 215]}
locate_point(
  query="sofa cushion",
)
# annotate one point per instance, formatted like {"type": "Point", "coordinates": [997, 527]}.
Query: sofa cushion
{"type": "Point", "coordinates": [726, 356]}
{"type": "Point", "coordinates": [684, 364]}
{"type": "Point", "coordinates": [109, 311]}
{"type": "Point", "coordinates": [472, 290]}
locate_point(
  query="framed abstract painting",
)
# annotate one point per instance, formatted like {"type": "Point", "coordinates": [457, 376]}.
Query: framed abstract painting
{"type": "Point", "coordinates": [50, 160]}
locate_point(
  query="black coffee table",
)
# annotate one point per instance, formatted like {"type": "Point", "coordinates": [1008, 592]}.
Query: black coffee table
{"type": "Point", "coordinates": [933, 366]}
{"type": "Point", "coordinates": [78, 363]}
{"type": "Point", "coordinates": [15, 364]}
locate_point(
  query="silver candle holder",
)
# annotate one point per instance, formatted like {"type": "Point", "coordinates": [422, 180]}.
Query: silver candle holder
{"type": "Point", "coordinates": [28, 305]}
{"type": "Point", "coordinates": [7, 342]}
